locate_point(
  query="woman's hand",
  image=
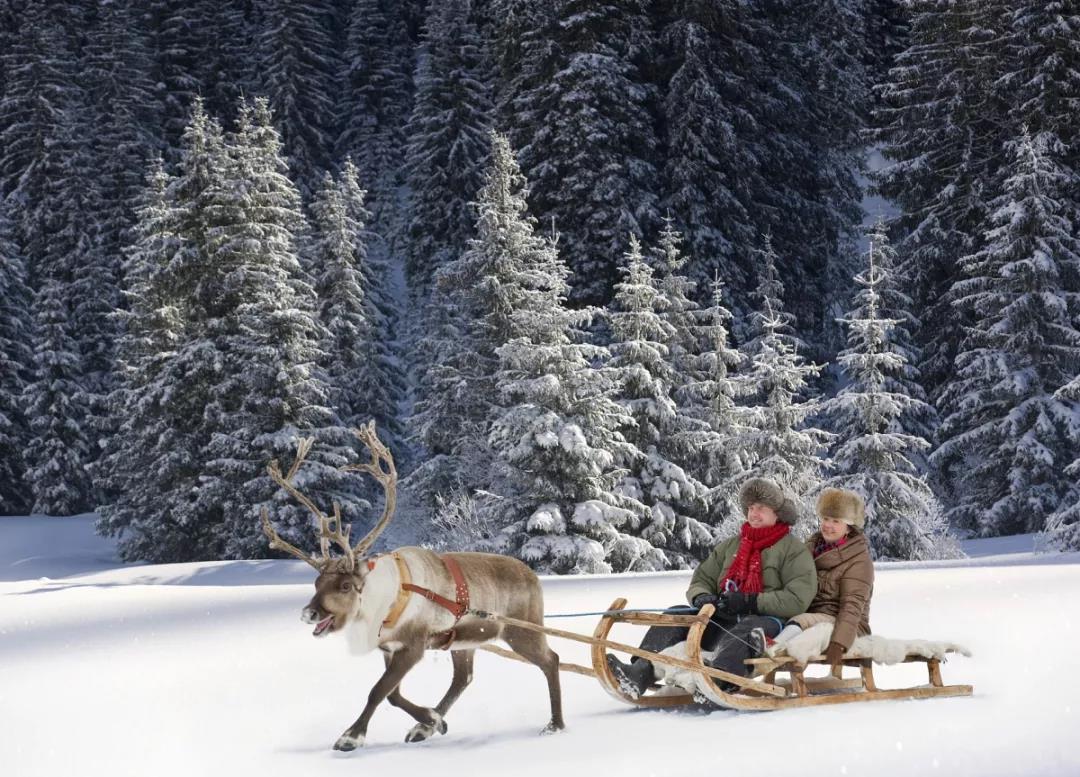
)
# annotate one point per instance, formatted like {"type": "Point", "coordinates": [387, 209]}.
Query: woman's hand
{"type": "Point", "coordinates": [834, 653]}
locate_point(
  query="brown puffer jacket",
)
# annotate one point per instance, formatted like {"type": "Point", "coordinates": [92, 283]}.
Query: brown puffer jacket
{"type": "Point", "coordinates": [845, 578]}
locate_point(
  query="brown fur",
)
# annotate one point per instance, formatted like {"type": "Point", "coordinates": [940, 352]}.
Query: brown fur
{"type": "Point", "coordinates": [497, 584]}
{"type": "Point", "coordinates": [842, 505]}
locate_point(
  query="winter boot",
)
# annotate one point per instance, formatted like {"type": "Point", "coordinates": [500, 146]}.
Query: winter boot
{"type": "Point", "coordinates": [756, 640]}
{"type": "Point", "coordinates": [633, 678]}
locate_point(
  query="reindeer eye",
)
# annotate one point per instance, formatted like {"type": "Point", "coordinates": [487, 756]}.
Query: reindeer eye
{"type": "Point", "coordinates": [346, 586]}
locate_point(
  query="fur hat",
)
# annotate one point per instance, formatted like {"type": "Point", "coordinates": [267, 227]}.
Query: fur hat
{"type": "Point", "coordinates": [842, 505]}
{"type": "Point", "coordinates": [769, 493]}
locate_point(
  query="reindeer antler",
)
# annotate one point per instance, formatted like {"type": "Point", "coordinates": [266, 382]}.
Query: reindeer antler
{"type": "Point", "coordinates": [380, 457]}
{"type": "Point", "coordinates": [339, 534]}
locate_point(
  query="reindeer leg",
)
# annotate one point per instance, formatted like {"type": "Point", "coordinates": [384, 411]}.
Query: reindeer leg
{"type": "Point", "coordinates": [533, 647]}
{"type": "Point", "coordinates": [402, 661]}
{"type": "Point", "coordinates": [463, 664]}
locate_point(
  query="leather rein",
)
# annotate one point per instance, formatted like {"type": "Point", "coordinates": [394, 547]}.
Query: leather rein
{"type": "Point", "coordinates": [457, 607]}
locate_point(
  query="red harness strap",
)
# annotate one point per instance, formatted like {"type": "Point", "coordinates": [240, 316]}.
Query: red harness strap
{"type": "Point", "coordinates": [461, 590]}
{"type": "Point", "coordinates": [457, 608]}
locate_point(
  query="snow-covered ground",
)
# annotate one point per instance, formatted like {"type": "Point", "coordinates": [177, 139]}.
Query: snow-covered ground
{"type": "Point", "coordinates": [206, 669]}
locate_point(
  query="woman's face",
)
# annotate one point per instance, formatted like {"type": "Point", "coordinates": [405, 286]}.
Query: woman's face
{"type": "Point", "coordinates": [832, 529]}
{"type": "Point", "coordinates": [761, 516]}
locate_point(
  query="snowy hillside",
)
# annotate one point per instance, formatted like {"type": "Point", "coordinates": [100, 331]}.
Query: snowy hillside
{"type": "Point", "coordinates": [206, 669]}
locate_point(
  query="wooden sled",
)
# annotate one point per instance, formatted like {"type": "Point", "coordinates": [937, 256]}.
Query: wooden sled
{"type": "Point", "coordinates": [762, 690]}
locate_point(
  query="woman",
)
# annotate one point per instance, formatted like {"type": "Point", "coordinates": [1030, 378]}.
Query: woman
{"type": "Point", "coordinates": [845, 573]}
{"type": "Point", "coordinates": [755, 580]}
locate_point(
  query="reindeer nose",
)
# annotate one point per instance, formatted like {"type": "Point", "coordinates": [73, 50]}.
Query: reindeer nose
{"type": "Point", "coordinates": [309, 615]}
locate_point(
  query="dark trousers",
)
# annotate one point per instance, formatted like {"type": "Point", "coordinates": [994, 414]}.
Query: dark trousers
{"type": "Point", "coordinates": [726, 632]}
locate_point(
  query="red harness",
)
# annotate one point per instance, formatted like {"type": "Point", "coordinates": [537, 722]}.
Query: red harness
{"type": "Point", "coordinates": [457, 607]}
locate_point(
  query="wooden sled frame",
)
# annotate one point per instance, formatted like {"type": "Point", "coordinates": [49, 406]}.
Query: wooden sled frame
{"type": "Point", "coordinates": [754, 694]}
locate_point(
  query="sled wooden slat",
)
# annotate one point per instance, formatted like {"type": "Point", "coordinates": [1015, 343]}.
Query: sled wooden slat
{"type": "Point", "coordinates": [653, 619]}
{"type": "Point", "coordinates": [563, 666]}
{"type": "Point", "coordinates": [602, 642]}
{"type": "Point", "coordinates": [798, 690]}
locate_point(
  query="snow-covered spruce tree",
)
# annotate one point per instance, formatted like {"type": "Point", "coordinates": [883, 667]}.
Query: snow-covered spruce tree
{"type": "Point", "coordinates": [872, 455]}
{"type": "Point", "coordinates": [363, 378]}
{"type": "Point", "coordinates": [1009, 436]}
{"type": "Point", "coordinates": [778, 440]}
{"type": "Point", "coordinates": [586, 135]}
{"type": "Point", "coordinates": [708, 109]}
{"type": "Point", "coordinates": [556, 433]}
{"type": "Point", "coordinates": [473, 301]}
{"type": "Point", "coordinates": [712, 398]}
{"type": "Point", "coordinates": [938, 125]}
{"type": "Point", "coordinates": [692, 433]}
{"type": "Point", "coordinates": [902, 376]}
{"type": "Point", "coordinates": [116, 73]}
{"type": "Point", "coordinates": [15, 362]}
{"type": "Point", "coordinates": [298, 68]}
{"type": "Point", "coordinates": [374, 106]}
{"type": "Point", "coordinates": [640, 359]}
{"type": "Point", "coordinates": [1041, 84]}
{"type": "Point", "coordinates": [262, 323]}
{"type": "Point", "coordinates": [811, 108]}
{"type": "Point", "coordinates": [151, 460]}
{"type": "Point", "coordinates": [201, 49]}
{"type": "Point", "coordinates": [58, 449]}
{"type": "Point", "coordinates": [448, 140]}
{"type": "Point", "coordinates": [240, 385]}
{"type": "Point", "coordinates": [1063, 526]}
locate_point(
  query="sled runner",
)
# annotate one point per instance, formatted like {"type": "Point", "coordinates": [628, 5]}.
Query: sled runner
{"type": "Point", "coordinates": [763, 690]}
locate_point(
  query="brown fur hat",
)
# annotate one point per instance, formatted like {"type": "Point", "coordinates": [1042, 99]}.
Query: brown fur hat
{"type": "Point", "coordinates": [769, 493]}
{"type": "Point", "coordinates": [842, 505]}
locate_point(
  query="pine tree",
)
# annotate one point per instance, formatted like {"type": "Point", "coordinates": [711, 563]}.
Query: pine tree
{"type": "Point", "coordinates": [359, 366]}
{"type": "Point", "coordinates": [780, 443]}
{"type": "Point", "coordinates": [1063, 526]}
{"type": "Point", "coordinates": [641, 360]}
{"type": "Point", "coordinates": [1041, 84]}
{"type": "Point", "coordinates": [263, 325]}
{"type": "Point", "coordinates": [58, 449]}
{"type": "Point", "coordinates": [873, 455]}
{"type": "Point", "coordinates": [555, 434]}
{"type": "Point", "coordinates": [151, 460]}
{"type": "Point", "coordinates": [712, 399]}
{"type": "Point", "coordinates": [709, 115]}
{"type": "Point", "coordinates": [377, 83]}
{"type": "Point", "coordinates": [583, 125]}
{"type": "Point", "coordinates": [918, 418]}
{"type": "Point", "coordinates": [234, 380]}
{"type": "Point", "coordinates": [937, 126]}
{"type": "Point", "coordinates": [298, 69]}
{"type": "Point", "coordinates": [15, 362]}
{"type": "Point", "coordinates": [448, 140]}
{"type": "Point", "coordinates": [1009, 436]}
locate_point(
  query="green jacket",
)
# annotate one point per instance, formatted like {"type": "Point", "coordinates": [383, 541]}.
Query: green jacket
{"type": "Point", "coordinates": [787, 574]}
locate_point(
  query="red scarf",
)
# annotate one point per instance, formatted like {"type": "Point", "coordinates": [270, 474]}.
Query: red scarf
{"type": "Point", "coordinates": [744, 574]}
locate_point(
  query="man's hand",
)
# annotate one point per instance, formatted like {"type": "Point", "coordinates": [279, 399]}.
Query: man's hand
{"type": "Point", "coordinates": [834, 653]}
{"type": "Point", "coordinates": [702, 599]}
{"type": "Point", "coordinates": [738, 603]}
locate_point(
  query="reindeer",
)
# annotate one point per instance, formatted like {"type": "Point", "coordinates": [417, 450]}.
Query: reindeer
{"type": "Point", "coordinates": [400, 602]}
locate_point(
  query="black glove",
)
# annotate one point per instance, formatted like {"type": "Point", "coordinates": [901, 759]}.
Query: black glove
{"type": "Point", "coordinates": [738, 603]}
{"type": "Point", "coordinates": [702, 599]}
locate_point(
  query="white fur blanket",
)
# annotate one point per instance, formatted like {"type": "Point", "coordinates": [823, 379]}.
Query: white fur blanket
{"type": "Point", "coordinates": [813, 642]}
{"type": "Point", "coordinates": [882, 650]}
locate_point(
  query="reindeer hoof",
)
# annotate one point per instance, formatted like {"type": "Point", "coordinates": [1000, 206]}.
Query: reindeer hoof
{"type": "Point", "coordinates": [422, 731]}
{"type": "Point", "coordinates": [345, 743]}
{"type": "Point", "coordinates": [552, 728]}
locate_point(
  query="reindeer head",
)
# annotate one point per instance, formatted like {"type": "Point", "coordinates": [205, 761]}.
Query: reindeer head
{"type": "Point", "coordinates": [340, 584]}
